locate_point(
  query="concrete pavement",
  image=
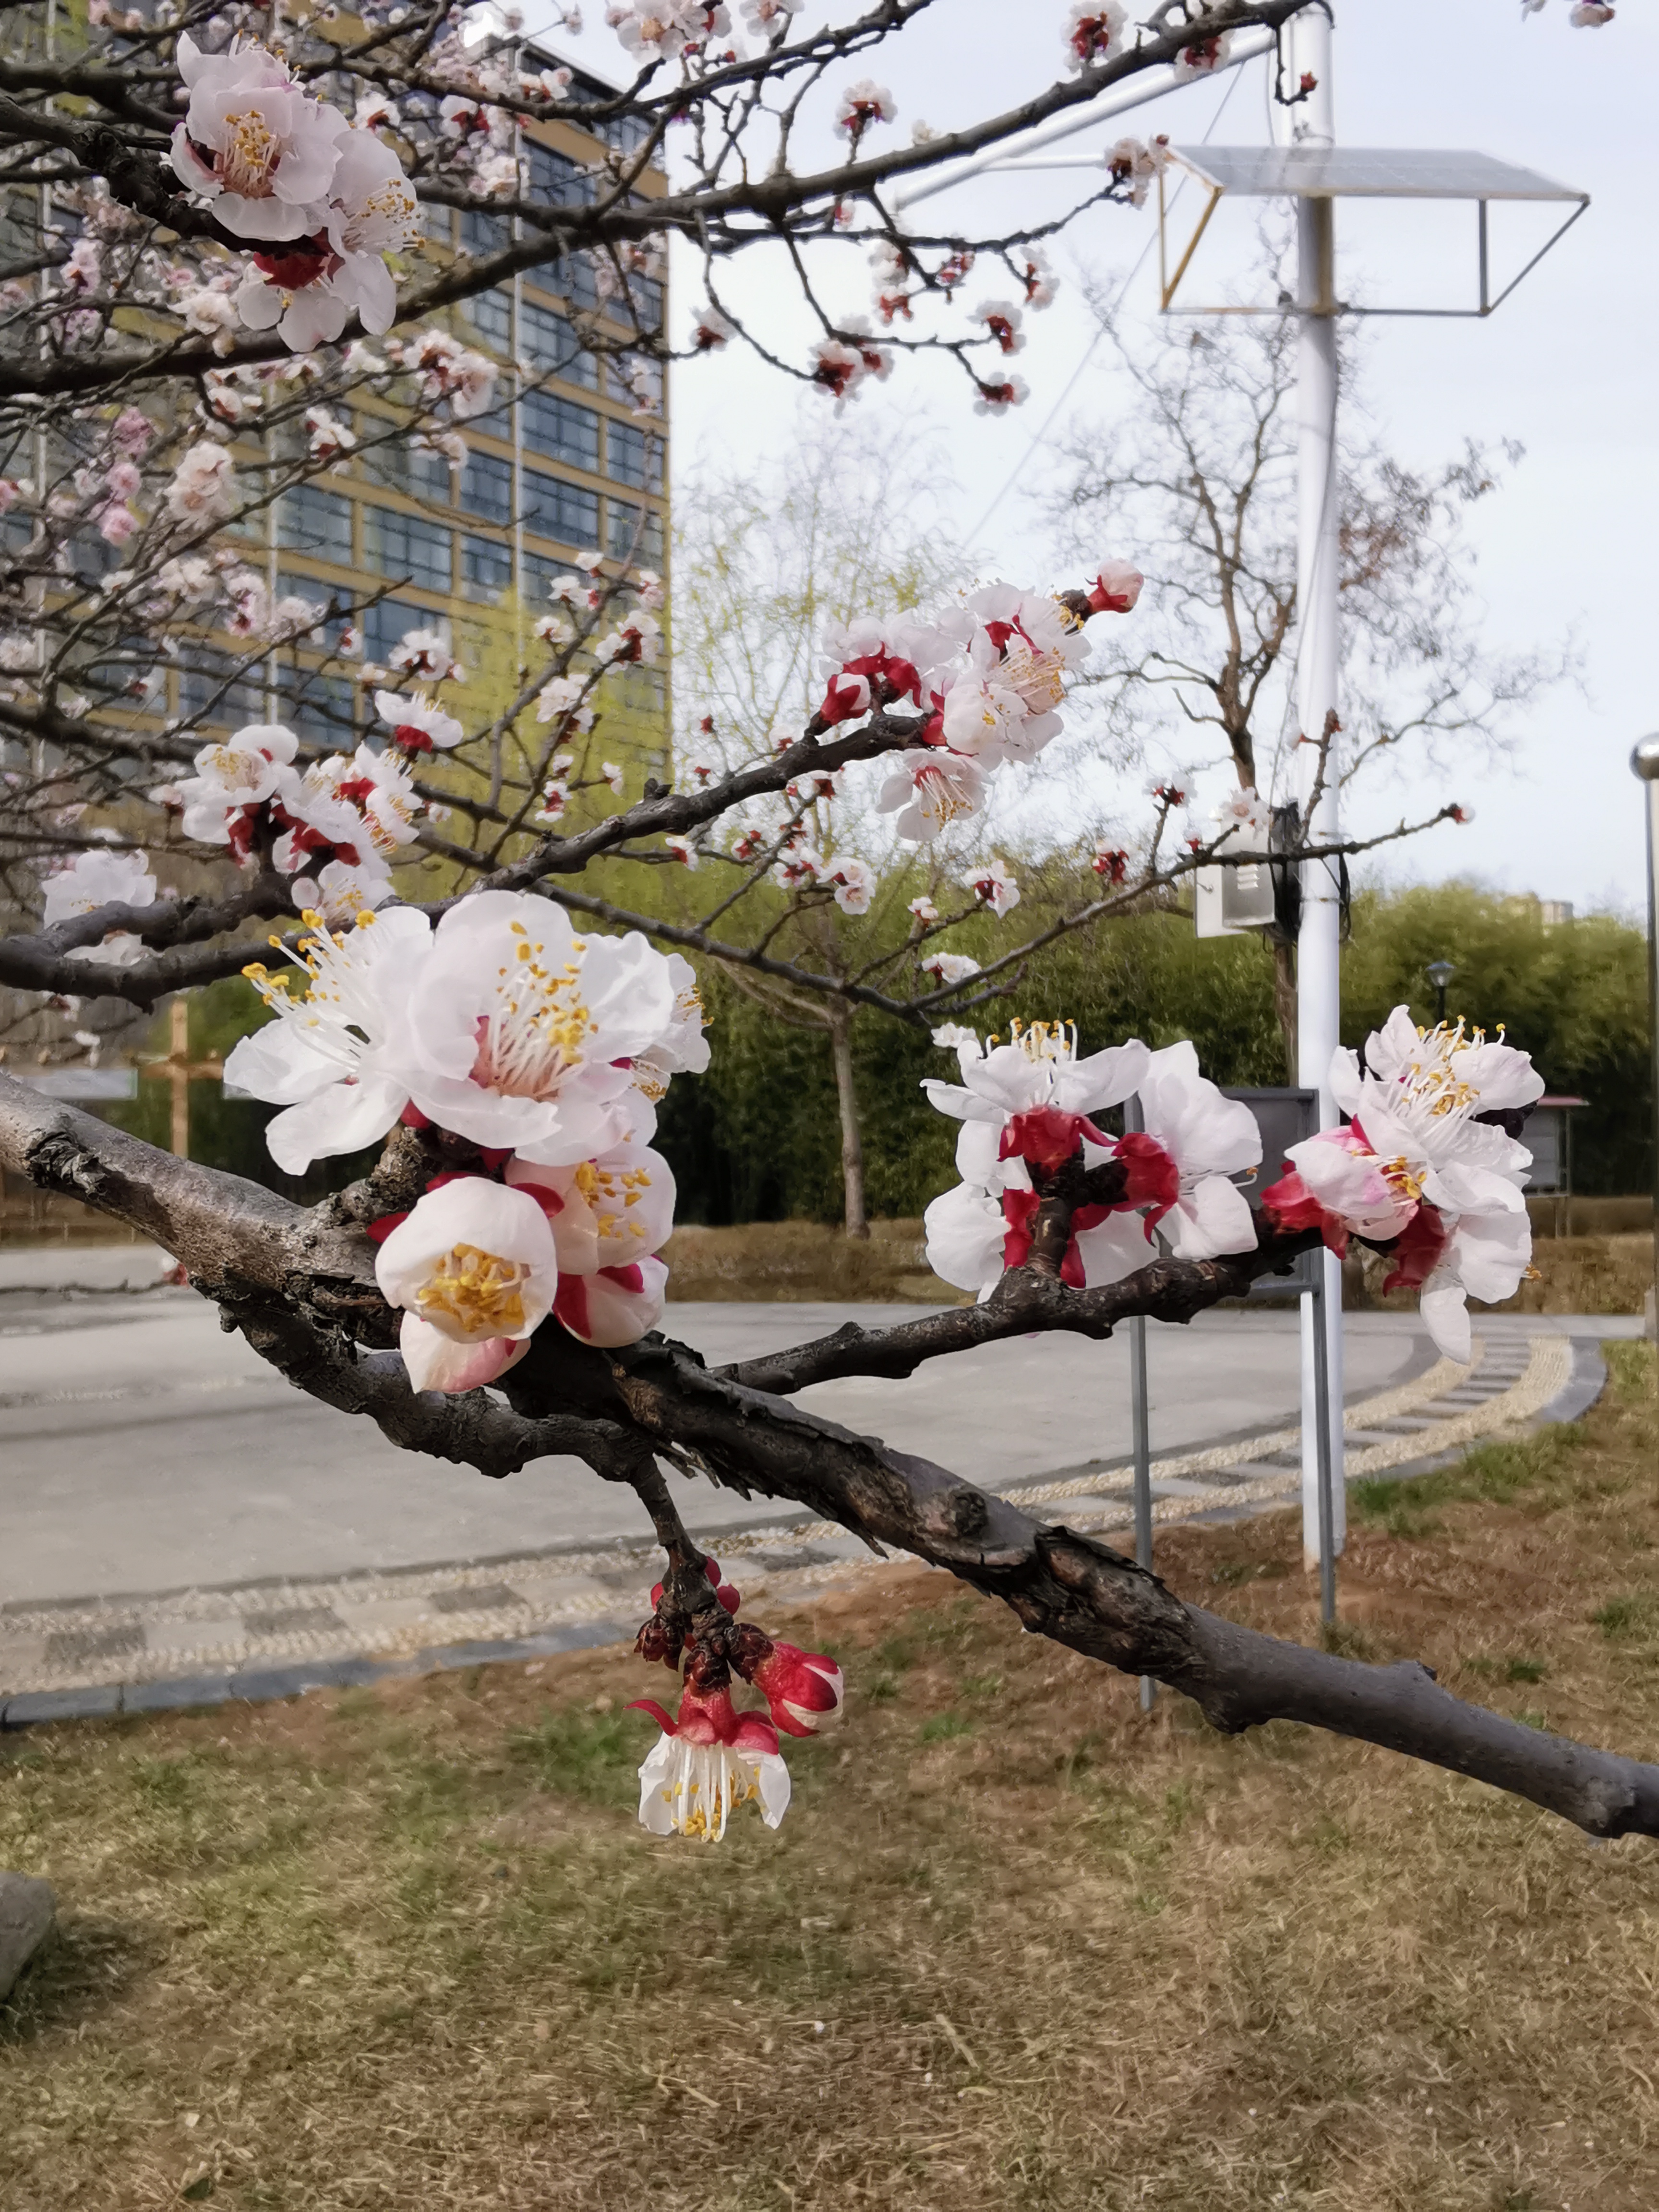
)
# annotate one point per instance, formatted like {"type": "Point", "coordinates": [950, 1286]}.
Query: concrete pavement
{"type": "Point", "coordinates": [167, 1503]}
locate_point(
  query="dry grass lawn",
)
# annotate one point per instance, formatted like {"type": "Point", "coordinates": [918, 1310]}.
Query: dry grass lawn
{"type": "Point", "coordinates": [1015, 1946]}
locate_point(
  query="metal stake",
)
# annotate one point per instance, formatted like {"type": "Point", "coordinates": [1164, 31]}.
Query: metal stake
{"type": "Point", "coordinates": [1644, 760]}
{"type": "Point", "coordinates": [1322, 1451]}
{"type": "Point", "coordinates": [1139, 1424]}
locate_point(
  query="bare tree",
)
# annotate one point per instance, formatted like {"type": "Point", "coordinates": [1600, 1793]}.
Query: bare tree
{"type": "Point", "coordinates": [225, 249]}
{"type": "Point", "coordinates": [1199, 475]}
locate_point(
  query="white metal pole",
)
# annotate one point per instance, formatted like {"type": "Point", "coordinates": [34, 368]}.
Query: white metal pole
{"type": "Point", "coordinates": [1318, 952]}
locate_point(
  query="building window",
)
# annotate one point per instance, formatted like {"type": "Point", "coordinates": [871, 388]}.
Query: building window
{"type": "Point", "coordinates": [554, 508]}
{"type": "Point", "coordinates": [625, 368]}
{"type": "Point", "coordinates": [400, 464]}
{"type": "Point", "coordinates": [551, 347]}
{"type": "Point", "coordinates": [633, 456]}
{"type": "Point", "coordinates": [573, 275]}
{"type": "Point", "coordinates": [486, 487]}
{"type": "Point", "coordinates": [491, 314]}
{"type": "Point", "coordinates": [208, 696]}
{"type": "Point", "coordinates": [407, 546]}
{"type": "Point", "coordinates": [561, 429]}
{"type": "Point", "coordinates": [316, 522]}
{"type": "Point", "coordinates": [625, 522]}
{"type": "Point", "coordinates": [643, 305]}
{"type": "Point", "coordinates": [483, 235]}
{"type": "Point", "coordinates": [437, 222]}
{"type": "Point", "coordinates": [555, 179]}
{"type": "Point", "coordinates": [321, 709]}
{"type": "Point", "coordinates": [388, 621]}
{"type": "Point", "coordinates": [540, 574]}
{"type": "Point", "coordinates": [486, 566]}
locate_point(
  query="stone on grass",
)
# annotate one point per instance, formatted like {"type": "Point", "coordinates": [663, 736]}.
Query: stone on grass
{"type": "Point", "coordinates": [26, 1909]}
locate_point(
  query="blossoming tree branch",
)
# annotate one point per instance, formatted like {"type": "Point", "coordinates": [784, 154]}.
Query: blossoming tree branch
{"type": "Point", "coordinates": [492, 1291]}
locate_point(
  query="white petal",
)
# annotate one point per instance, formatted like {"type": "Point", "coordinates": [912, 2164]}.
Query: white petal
{"type": "Point", "coordinates": [344, 1118]}
{"type": "Point", "coordinates": [1447, 1320]}
{"type": "Point", "coordinates": [1213, 1217]}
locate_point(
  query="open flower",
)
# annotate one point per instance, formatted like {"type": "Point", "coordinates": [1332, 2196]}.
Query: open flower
{"type": "Point", "coordinates": [933, 788]}
{"type": "Point", "coordinates": [259, 147]}
{"type": "Point", "coordinates": [993, 885]}
{"type": "Point", "coordinates": [1208, 1139]}
{"type": "Point", "coordinates": [1429, 1164]}
{"type": "Point", "coordinates": [605, 1212]}
{"type": "Point", "coordinates": [525, 1033]}
{"type": "Point", "coordinates": [418, 724]}
{"type": "Point", "coordinates": [233, 782]}
{"type": "Point", "coordinates": [93, 879]}
{"type": "Point", "coordinates": [474, 1268]}
{"type": "Point", "coordinates": [708, 1761]}
{"type": "Point", "coordinates": [1033, 1092]}
{"type": "Point", "coordinates": [335, 1059]}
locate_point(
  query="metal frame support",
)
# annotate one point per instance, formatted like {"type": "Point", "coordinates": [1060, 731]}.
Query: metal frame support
{"type": "Point", "coordinates": [1322, 1454]}
{"type": "Point", "coordinates": [1644, 761]}
{"type": "Point", "coordinates": [1139, 1425]}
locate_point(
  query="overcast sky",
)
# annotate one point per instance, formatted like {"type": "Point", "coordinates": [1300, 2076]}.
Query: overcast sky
{"type": "Point", "coordinates": [1565, 366]}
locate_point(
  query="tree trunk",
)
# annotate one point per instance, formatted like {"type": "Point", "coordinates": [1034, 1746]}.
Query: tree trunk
{"type": "Point", "coordinates": [852, 1143]}
{"type": "Point", "coordinates": [1285, 1005]}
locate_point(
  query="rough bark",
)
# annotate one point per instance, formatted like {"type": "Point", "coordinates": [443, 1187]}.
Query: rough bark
{"type": "Point", "coordinates": [847, 1105]}
{"type": "Point", "coordinates": [301, 1286]}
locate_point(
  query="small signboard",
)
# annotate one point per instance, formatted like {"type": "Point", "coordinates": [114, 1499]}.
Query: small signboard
{"type": "Point", "coordinates": [79, 1085]}
{"type": "Point", "coordinates": [1285, 1118]}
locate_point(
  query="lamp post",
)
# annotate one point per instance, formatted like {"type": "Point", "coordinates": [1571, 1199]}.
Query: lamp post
{"type": "Point", "coordinates": [1644, 760]}
{"type": "Point", "coordinates": [1440, 973]}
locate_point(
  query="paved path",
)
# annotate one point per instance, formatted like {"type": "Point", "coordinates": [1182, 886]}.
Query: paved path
{"type": "Point", "coordinates": [168, 1503]}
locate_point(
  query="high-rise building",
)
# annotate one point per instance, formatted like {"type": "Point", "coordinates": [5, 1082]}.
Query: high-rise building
{"type": "Point", "coordinates": [572, 457]}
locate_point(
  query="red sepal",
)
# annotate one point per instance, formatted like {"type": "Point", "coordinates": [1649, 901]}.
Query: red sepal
{"type": "Point", "coordinates": [378, 1232]}
{"type": "Point", "coordinates": [412, 1118]}
{"type": "Point", "coordinates": [668, 1725]}
{"type": "Point", "coordinates": [1291, 1205]}
{"type": "Point", "coordinates": [1019, 1212]}
{"type": "Point", "coordinates": [1416, 1254]}
{"type": "Point", "coordinates": [1047, 1138]}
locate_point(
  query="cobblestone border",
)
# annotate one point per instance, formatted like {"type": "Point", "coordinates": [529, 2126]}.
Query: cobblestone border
{"type": "Point", "coordinates": [275, 1639]}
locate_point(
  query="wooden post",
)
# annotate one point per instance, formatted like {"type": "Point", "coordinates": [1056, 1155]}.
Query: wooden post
{"type": "Point", "coordinates": [179, 1069]}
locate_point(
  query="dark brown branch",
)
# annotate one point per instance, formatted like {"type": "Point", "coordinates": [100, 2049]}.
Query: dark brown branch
{"type": "Point", "coordinates": [301, 1286]}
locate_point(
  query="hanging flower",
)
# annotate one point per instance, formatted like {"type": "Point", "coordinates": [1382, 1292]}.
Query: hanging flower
{"type": "Point", "coordinates": [473, 1267]}
{"type": "Point", "coordinates": [933, 788]}
{"type": "Point", "coordinates": [1203, 58]}
{"type": "Point", "coordinates": [708, 1761]}
{"type": "Point", "coordinates": [949, 968]}
{"type": "Point", "coordinates": [852, 880]}
{"type": "Point", "coordinates": [711, 330]}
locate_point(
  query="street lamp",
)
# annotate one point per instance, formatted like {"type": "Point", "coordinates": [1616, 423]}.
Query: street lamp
{"type": "Point", "coordinates": [1440, 973]}
{"type": "Point", "coordinates": [1644, 760]}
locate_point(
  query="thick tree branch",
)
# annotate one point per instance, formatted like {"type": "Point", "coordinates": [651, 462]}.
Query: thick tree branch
{"type": "Point", "coordinates": [300, 1284]}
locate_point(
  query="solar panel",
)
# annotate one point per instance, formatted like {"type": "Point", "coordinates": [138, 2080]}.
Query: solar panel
{"type": "Point", "coordinates": [1367, 172]}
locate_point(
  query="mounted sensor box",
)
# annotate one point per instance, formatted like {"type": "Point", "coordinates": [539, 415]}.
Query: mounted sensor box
{"type": "Point", "coordinates": [1231, 902]}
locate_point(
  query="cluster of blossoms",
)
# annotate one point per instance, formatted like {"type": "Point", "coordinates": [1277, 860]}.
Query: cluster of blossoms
{"type": "Point", "coordinates": [325, 200]}
{"type": "Point", "coordinates": [712, 1756]}
{"type": "Point", "coordinates": [1025, 1108]}
{"type": "Point", "coordinates": [1428, 1166]}
{"type": "Point", "coordinates": [333, 826]}
{"type": "Point", "coordinates": [988, 675]}
{"type": "Point", "coordinates": [547, 1052]}
{"type": "Point", "coordinates": [97, 879]}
